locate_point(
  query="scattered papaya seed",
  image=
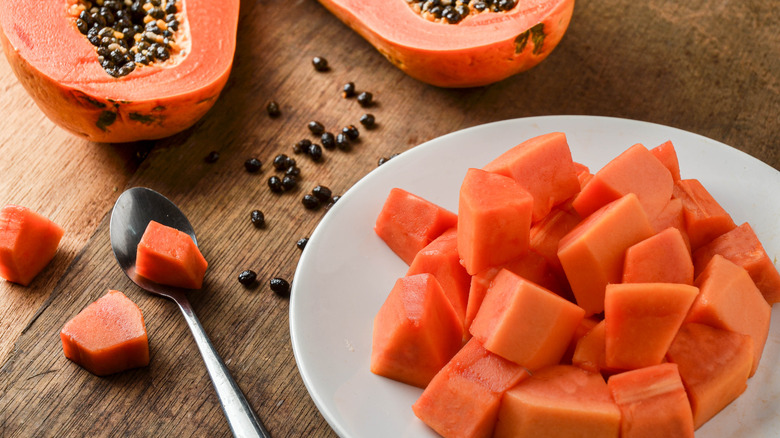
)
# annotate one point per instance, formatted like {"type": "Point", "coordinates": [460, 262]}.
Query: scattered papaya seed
{"type": "Point", "coordinates": [247, 277]}
{"type": "Point", "coordinates": [351, 132]}
{"type": "Point", "coordinates": [320, 64]}
{"type": "Point", "coordinates": [301, 243]}
{"type": "Point", "coordinates": [348, 90]}
{"type": "Point", "coordinates": [328, 140]}
{"type": "Point", "coordinates": [280, 287]}
{"type": "Point", "coordinates": [316, 127]}
{"type": "Point", "coordinates": [258, 218]}
{"type": "Point", "coordinates": [365, 99]}
{"type": "Point", "coordinates": [273, 109]}
{"type": "Point", "coordinates": [253, 165]}
{"type": "Point", "coordinates": [212, 157]}
{"type": "Point", "coordinates": [368, 120]}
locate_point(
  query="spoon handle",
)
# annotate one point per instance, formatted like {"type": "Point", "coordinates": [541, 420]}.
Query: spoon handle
{"type": "Point", "coordinates": [240, 416]}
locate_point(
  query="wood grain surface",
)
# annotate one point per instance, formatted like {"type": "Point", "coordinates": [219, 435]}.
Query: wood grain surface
{"type": "Point", "coordinates": [707, 66]}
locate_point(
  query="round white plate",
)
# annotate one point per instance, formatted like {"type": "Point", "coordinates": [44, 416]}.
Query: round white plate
{"type": "Point", "coordinates": [346, 271]}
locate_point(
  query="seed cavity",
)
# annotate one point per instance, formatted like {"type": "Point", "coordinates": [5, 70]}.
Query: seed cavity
{"type": "Point", "coordinates": [454, 11]}
{"type": "Point", "coordinates": [128, 34]}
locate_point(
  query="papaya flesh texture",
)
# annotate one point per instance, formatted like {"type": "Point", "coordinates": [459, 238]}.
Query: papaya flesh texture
{"type": "Point", "coordinates": [59, 68]}
{"type": "Point", "coordinates": [479, 50]}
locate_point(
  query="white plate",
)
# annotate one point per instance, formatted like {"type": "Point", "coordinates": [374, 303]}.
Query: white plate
{"type": "Point", "coordinates": [346, 271]}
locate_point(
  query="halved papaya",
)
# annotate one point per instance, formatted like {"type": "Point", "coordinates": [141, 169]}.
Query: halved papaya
{"type": "Point", "coordinates": [60, 68]}
{"type": "Point", "coordinates": [479, 49]}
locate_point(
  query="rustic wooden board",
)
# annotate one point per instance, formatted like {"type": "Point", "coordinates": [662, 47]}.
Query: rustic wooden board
{"type": "Point", "coordinates": [704, 66]}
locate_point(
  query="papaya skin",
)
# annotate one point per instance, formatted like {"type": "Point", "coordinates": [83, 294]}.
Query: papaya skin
{"type": "Point", "coordinates": [152, 102]}
{"type": "Point", "coordinates": [479, 50]}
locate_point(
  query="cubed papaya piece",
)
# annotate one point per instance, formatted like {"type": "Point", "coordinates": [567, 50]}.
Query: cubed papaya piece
{"type": "Point", "coordinates": [416, 331]}
{"type": "Point", "coordinates": [28, 242]}
{"type": "Point", "coordinates": [672, 216]}
{"type": "Point", "coordinates": [642, 320]}
{"type": "Point", "coordinates": [108, 336]}
{"type": "Point", "coordinates": [590, 352]}
{"type": "Point", "coordinates": [543, 166]}
{"type": "Point", "coordinates": [583, 328]}
{"type": "Point", "coordinates": [168, 256]}
{"type": "Point", "coordinates": [441, 259]}
{"type": "Point", "coordinates": [728, 299]}
{"type": "Point", "coordinates": [559, 401]}
{"type": "Point", "coordinates": [592, 253]}
{"type": "Point", "coordinates": [705, 219]}
{"type": "Point", "coordinates": [741, 246]}
{"type": "Point", "coordinates": [547, 233]}
{"type": "Point", "coordinates": [407, 223]}
{"type": "Point", "coordinates": [652, 402]}
{"type": "Point", "coordinates": [494, 220]}
{"type": "Point", "coordinates": [666, 154]}
{"type": "Point", "coordinates": [531, 266]}
{"type": "Point", "coordinates": [463, 399]}
{"type": "Point", "coordinates": [714, 365]}
{"type": "Point", "coordinates": [637, 171]}
{"type": "Point", "coordinates": [661, 258]}
{"type": "Point", "coordinates": [583, 174]}
{"type": "Point", "coordinates": [524, 322]}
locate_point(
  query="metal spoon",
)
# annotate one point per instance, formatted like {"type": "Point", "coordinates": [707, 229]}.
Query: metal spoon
{"type": "Point", "coordinates": [132, 212]}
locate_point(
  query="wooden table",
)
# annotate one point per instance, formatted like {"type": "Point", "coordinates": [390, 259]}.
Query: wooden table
{"type": "Point", "coordinates": [706, 66]}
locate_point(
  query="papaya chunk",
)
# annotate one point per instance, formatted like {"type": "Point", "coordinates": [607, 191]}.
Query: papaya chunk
{"type": "Point", "coordinates": [583, 328]}
{"type": "Point", "coordinates": [661, 258]}
{"type": "Point", "coordinates": [592, 253]}
{"type": "Point", "coordinates": [416, 331]}
{"type": "Point", "coordinates": [559, 401]}
{"type": "Point", "coordinates": [543, 166]}
{"type": "Point", "coordinates": [494, 220]}
{"type": "Point", "coordinates": [547, 233]}
{"type": "Point", "coordinates": [667, 155]}
{"type": "Point", "coordinates": [108, 336]}
{"type": "Point", "coordinates": [408, 223]}
{"type": "Point", "coordinates": [168, 256]}
{"type": "Point", "coordinates": [672, 216]}
{"type": "Point", "coordinates": [642, 320]}
{"type": "Point", "coordinates": [714, 366]}
{"type": "Point", "coordinates": [652, 402]}
{"type": "Point", "coordinates": [441, 259]}
{"type": "Point", "coordinates": [705, 219]}
{"type": "Point", "coordinates": [524, 322]}
{"type": "Point", "coordinates": [463, 399]}
{"type": "Point", "coordinates": [741, 246]}
{"type": "Point", "coordinates": [28, 242]}
{"type": "Point", "coordinates": [637, 171]}
{"type": "Point", "coordinates": [590, 353]}
{"type": "Point", "coordinates": [729, 300]}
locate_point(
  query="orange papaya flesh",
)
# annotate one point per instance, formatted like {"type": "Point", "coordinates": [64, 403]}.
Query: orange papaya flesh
{"type": "Point", "coordinates": [742, 246]}
{"type": "Point", "coordinates": [59, 68]}
{"type": "Point", "coordinates": [168, 256]}
{"type": "Point", "coordinates": [542, 166]}
{"type": "Point", "coordinates": [408, 223]}
{"type": "Point", "coordinates": [636, 170]}
{"type": "Point", "coordinates": [463, 399]}
{"type": "Point", "coordinates": [714, 366]}
{"type": "Point", "coordinates": [661, 258]}
{"type": "Point", "coordinates": [28, 242]}
{"type": "Point", "coordinates": [590, 352]}
{"type": "Point", "coordinates": [592, 253]}
{"type": "Point", "coordinates": [530, 266]}
{"type": "Point", "coordinates": [494, 220]}
{"type": "Point", "coordinates": [672, 216]}
{"type": "Point", "coordinates": [705, 219]}
{"type": "Point", "coordinates": [583, 328]}
{"type": "Point", "coordinates": [107, 336]}
{"type": "Point", "coordinates": [652, 402]}
{"type": "Point", "coordinates": [416, 331]}
{"type": "Point", "coordinates": [524, 322]}
{"type": "Point", "coordinates": [667, 155]}
{"type": "Point", "coordinates": [547, 233]}
{"type": "Point", "coordinates": [441, 259]}
{"type": "Point", "coordinates": [728, 299]}
{"type": "Point", "coordinates": [641, 321]}
{"type": "Point", "coordinates": [559, 401]}
{"type": "Point", "coordinates": [478, 50]}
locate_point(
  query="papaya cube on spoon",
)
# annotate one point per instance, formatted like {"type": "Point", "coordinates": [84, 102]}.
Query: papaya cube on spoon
{"type": "Point", "coordinates": [408, 223]}
{"type": "Point", "coordinates": [559, 401]}
{"type": "Point", "coordinates": [714, 366]}
{"type": "Point", "coordinates": [652, 402]}
{"type": "Point", "coordinates": [169, 256]}
{"type": "Point", "coordinates": [494, 220]}
{"type": "Point", "coordinates": [28, 242]}
{"type": "Point", "coordinates": [524, 322]}
{"type": "Point", "coordinates": [108, 336]}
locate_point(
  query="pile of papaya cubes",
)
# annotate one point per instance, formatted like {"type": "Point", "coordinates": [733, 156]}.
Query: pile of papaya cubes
{"type": "Point", "coordinates": [560, 302]}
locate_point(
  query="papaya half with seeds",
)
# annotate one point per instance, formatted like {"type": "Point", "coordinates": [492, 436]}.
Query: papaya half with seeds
{"type": "Point", "coordinates": [478, 49]}
{"type": "Point", "coordinates": [113, 91]}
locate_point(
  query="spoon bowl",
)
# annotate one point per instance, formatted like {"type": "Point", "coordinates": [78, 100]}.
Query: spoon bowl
{"type": "Point", "coordinates": [132, 212]}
